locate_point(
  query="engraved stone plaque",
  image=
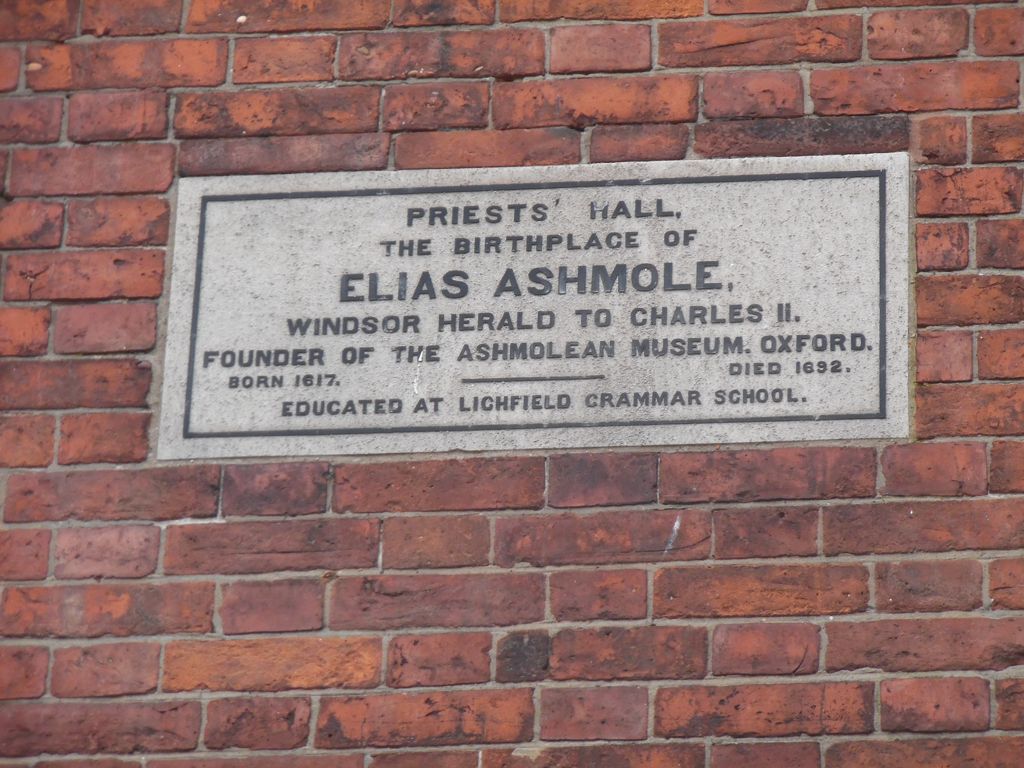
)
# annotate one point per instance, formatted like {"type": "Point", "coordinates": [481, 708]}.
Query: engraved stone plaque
{"type": "Point", "coordinates": [631, 304]}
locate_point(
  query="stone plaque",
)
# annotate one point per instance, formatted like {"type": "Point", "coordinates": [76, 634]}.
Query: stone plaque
{"type": "Point", "coordinates": [640, 304]}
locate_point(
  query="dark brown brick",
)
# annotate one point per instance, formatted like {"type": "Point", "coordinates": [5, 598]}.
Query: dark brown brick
{"type": "Point", "coordinates": [586, 480]}
{"type": "Point", "coordinates": [275, 489]}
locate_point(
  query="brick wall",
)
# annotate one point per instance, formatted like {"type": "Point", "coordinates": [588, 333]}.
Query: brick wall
{"type": "Point", "coordinates": [805, 605]}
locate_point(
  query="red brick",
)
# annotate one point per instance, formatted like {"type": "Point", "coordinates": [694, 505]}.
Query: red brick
{"type": "Point", "coordinates": [271, 664]}
{"type": "Point", "coordinates": [999, 31]}
{"type": "Point", "coordinates": [112, 438]}
{"type": "Point", "coordinates": [726, 7]}
{"type": "Point", "coordinates": [928, 705]}
{"type": "Point", "coordinates": [830, 4]}
{"type": "Point", "coordinates": [942, 246]}
{"type": "Point", "coordinates": [277, 112]}
{"type": "Point", "coordinates": [96, 610]}
{"type": "Point", "coordinates": [117, 116]}
{"type": "Point", "coordinates": [941, 140]}
{"type": "Point", "coordinates": [1009, 704]}
{"type": "Point", "coordinates": [134, 64]}
{"type": "Point", "coordinates": [481, 600]}
{"type": "Point", "coordinates": [615, 143]}
{"type": "Point", "coordinates": [130, 168]}
{"type": "Point", "coordinates": [24, 331]}
{"type": "Point", "coordinates": [935, 469]}
{"type": "Point", "coordinates": [998, 138]}
{"type": "Point", "coordinates": [285, 15]}
{"type": "Point", "coordinates": [1005, 586]}
{"type": "Point", "coordinates": [539, 10]}
{"type": "Point", "coordinates": [118, 221]}
{"type": "Point", "coordinates": [588, 714]}
{"type": "Point", "coordinates": [291, 605]}
{"type": "Point", "coordinates": [257, 723]}
{"type": "Point", "coordinates": [439, 659]}
{"type": "Point", "coordinates": [425, 719]}
{"type": "Point", "coordinates": [130, 17]}
{"type": "Point", "coordinates": [928, 585]}
{"type": "Point", "coordinates": [1001, 243]}
{"type": "Point", "coordinates": [284, 59]}
{"type": "Point", "coordinates": [97, 763]}
{"type": "Point", "coordinates": [764, 710]}
{"type": "Point", "coordinates": [969, 299]}
{"type": "Point", "coordinates": [435, 542]}
{"type": "Point", "coordinates": [587, 101]}
{"type": "Point", "coordinates": [460, 759]}
{"type": "Point", "coordinates": [31, 120]}
{"type": "Point", "coordinates": [10, 68]}
{"type": "Point", "coordinates": [925, 645]}
{"type": "Point", "coordinates": [105, 328]}
{"type": "Point", "coordinates": [414, 13]}
{"type": "Point", "coordinates": [742, 42]}
{"type": "Point", "coordinates": [264, 547]}
{"type": "Point", "coordinates": [110, 669]}
{"type": "Point", "coordinates": [24, 554]}
{"type": "Point", "coordinates": [636, 653]}
{"type": "Point", "coordinates": [1006, 473]}
{"type": "Point", "coordinates": [601, 48]}
{"type": "Point", "coordinates": [585, 595]}
{"type": "Point", "coordinates": [23, 672]}
{"type": "Point", "coordinates": [487, 149]}
{"type": "Point", "coordinates": [427, 107]}
{"type": "Point", "coordinates": [283, 154]}
{"type": "Point", "coordinates": [928, 526]}
{"type": "Point", "coordinates": [766, 532]}
{"type": "Point", "coordinates": [32, 20]}
{"type": "Point", "coordinates": [753, 94]}
{"type": "Point", "coordinates": [999, 354]}
{"type": "Point", "coordinates": [770, 755]}
{"type": "Point", "coordinates": [603, 756]}
{"type": "Point", "coordinates": [430, 486]}
{"type": "Point", "coordinates": [802, 136]}
{"type": "Point", "coordinates": [586, 480]}
{"type": "Point", "coordinates": [945, 356]}
{"type": "Point", "coordinates": [124, 551]}
{"type": "Point", "coordinates": [121, 728]}
{"type": "Point", "coordinates": [30, 224]}
{"type": "Point", "coordinates": [287, 760]}
{"type": "Point", "coordinates": [760, 590]}
{"type": "Point", "coordinates": [780, 473]}
{"type": "Point", "coordinates": [522, 657]}
{"type": "Point", "coordinates": [765, 649]}
{"type": "Point", "coordinates": [298, 488]}
{"type": "Point", "coordinates": [602, 538]}
{"type": "Point", "coordinates": [915, 87]}
{"type": "Point", "coordinates": [74, 275]}
{"type": "Point", "coordinates": [73, 384]}
{"type": "Point", "coordinates": [968, 191]}
{"type": "Point", "coordinates": [500, 53]}
{"type": "Point", "coordinates": [150, 494]}
{"type": "Point", "coordinates": [933, 753]}
{"type": "Point", "coordinates": [926, 34]}
{"type": "Point", "coordinates": [26, 440]}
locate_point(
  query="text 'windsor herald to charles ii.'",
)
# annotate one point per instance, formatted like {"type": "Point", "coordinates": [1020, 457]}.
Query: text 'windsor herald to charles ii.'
{"type": "Point", "coordinates": [564, 311]}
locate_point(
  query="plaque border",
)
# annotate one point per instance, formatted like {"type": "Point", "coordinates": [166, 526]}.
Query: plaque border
{"type": "Point", "coordinates": [205, 200]}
